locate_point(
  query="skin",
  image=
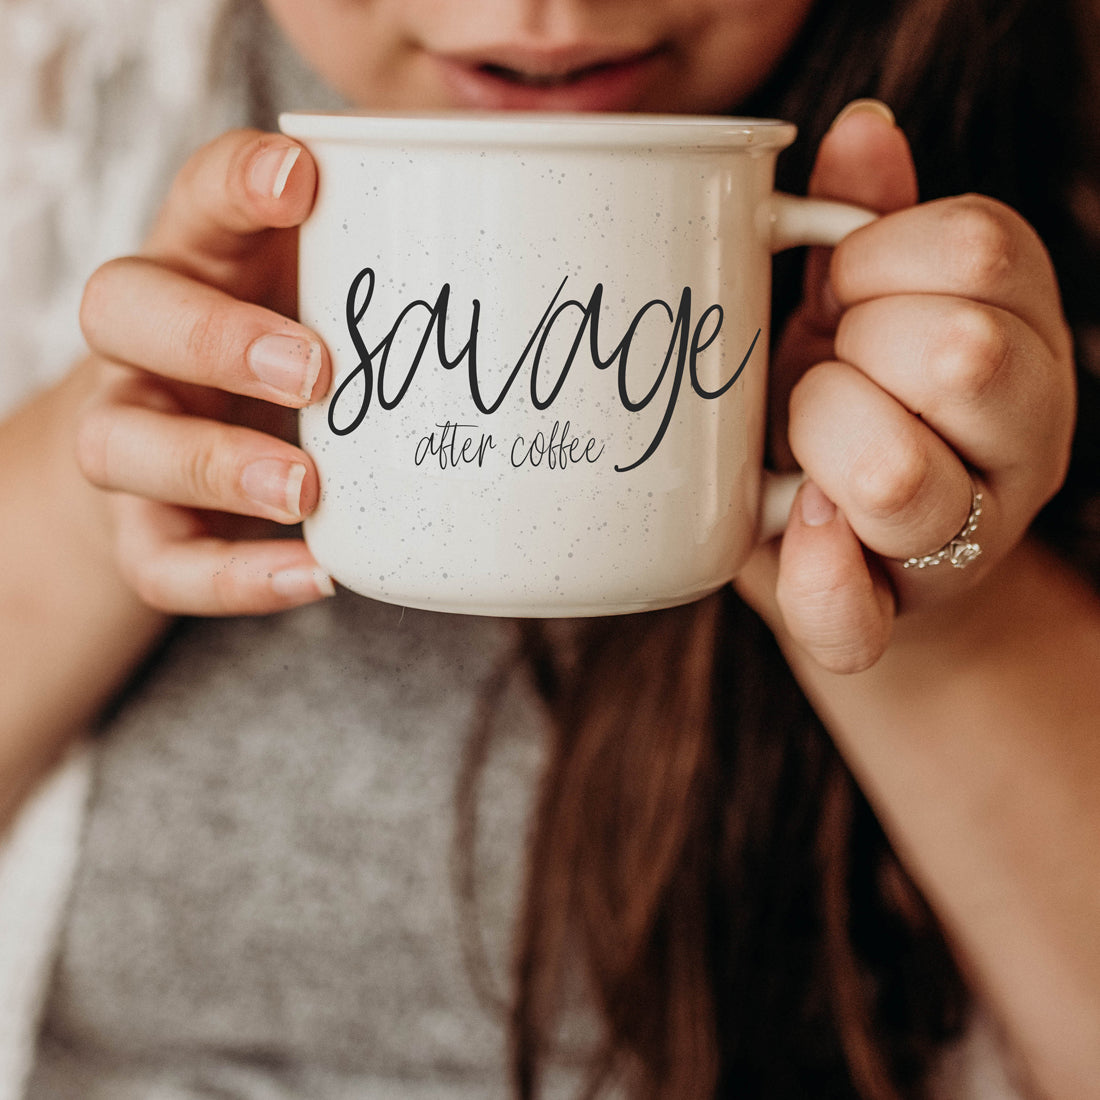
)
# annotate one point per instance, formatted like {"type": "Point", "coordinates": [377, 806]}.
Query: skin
{"type": "Point", "coordinates": [709, 52]}
{"type": "Point", "coordinates": [930, 352]}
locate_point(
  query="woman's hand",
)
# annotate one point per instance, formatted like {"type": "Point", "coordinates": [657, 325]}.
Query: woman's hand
{"type": "Point", "coordinates": [930, 359]}
{"type": "Point", "coordinates": [930, 356]}
{"type": "Point", "coordinates": [197, 370]}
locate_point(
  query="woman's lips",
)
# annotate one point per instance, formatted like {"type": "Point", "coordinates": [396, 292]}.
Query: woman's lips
{"type": "Point", "coordinates": [577, 79]}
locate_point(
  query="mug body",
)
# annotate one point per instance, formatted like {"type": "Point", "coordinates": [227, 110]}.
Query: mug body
{"type": "Point", "coordinates": [549, 340]}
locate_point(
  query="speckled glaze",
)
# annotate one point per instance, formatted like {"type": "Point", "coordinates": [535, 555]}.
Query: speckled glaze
{"type": "Point", "coordinates": [550, 344]}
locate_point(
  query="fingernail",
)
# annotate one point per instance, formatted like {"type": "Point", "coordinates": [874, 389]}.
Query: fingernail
{"type": "Point", "coordinates": [302, 584]}
{"type": "Point", "coordinates": [870, 106]}
{"type": "Point", "coordinates": [271, 169]}
{"type": "Point", "coordinates": [289, 364]}
{"type": "Point", "coordinates": [815, 507]}
{"type": "Point", "coordinates": [276, 485]}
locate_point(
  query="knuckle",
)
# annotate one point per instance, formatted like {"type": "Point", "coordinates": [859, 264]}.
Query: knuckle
{"type": "Point", "coordinates": [887, 482]}
{"type": "Point", "coordinates": [208, 340]}
{"type": "Point", "coordinates": [227, 592]}
{"type": "Point", "coordinates": [847, 656]}
{"type": "Point", "coordinates": [819, 616]}
{"type": "Point", "coordinates": [142, 571]}
{"type": "Point", "coordinates": [805, 394]}
{"type": "Point", "coordinates": [804, 598]}
{"type": "Point", "coordinates": [202, 475]}
{"type": "Point", "coordinates": [92, 445]}
{"type": "Point", "coordinates": [969, 352]}
{"type": "Point", "coordinates": [148, 586]}
{"type": "Point", "coordinates": [982, 241]}
{"type": "Point", "coordinates": [95, 299]}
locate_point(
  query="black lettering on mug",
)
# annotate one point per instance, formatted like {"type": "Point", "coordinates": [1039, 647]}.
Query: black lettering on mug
{"type": "Point", "coordinates": [557, 451]}
{"type": "Point", "coordinates": [351, 400]}
{"type": "Point", "coordinates": [451, 449]}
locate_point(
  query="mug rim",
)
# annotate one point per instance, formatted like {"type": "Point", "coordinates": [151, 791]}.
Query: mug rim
{"type": "Point", "coordinates": [535, 128]}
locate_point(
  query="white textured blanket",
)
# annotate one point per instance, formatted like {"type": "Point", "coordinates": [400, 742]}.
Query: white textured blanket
{"type": "Point", "coordinates": [36, 867]}
{"type": "Point", "coordinates": [99, 99]}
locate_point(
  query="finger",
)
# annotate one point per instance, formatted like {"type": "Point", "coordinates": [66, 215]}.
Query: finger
{"type": "Point", "coordinates": [196, 463]}
{"type": "Point", "coordinates": [969, 247]}
{"type": "Point", "coordinates": [899, 485]}
{"type": "Point", "coordinates": [834, 605]}
{"type": "Point", "coordinates": [864, 159]}
{"type": "Point", "coordinates": [978, 375]}
{"type": "Point", "coordinates": [175, 569]}
{"type": "Point", "coordinates": [238, 186]}
{"type": "Point", "coordinates": [137, 312]}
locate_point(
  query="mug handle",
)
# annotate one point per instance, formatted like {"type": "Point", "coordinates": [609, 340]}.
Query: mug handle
{"type": "Point", "coordinates": [794, 221]}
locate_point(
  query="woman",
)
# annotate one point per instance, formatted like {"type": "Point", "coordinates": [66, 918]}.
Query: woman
{"type": "Point", "coordinates": [743, 926]}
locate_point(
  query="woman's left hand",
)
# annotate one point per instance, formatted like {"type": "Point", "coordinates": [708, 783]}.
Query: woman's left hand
{"type": "Point", "coordinates": [930, 359]}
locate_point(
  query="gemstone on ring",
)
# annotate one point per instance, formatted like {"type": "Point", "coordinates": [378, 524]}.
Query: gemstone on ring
{"type": "Point", "coordinates": [959, 551]}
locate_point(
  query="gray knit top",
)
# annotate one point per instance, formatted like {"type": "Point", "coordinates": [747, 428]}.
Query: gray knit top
{"type": "Point", "coordinates": [264, 906]}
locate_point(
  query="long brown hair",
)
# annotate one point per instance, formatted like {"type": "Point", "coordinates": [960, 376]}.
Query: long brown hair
{"type": "Point", "coordinates": [702, 859]}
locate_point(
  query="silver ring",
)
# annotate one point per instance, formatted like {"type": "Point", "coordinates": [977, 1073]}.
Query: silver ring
{"type": "Point", "coordinates": [961, 550]}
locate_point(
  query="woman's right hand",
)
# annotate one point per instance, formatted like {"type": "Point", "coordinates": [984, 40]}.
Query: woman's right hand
{"type": "Point", "coordinates": [197, 371]}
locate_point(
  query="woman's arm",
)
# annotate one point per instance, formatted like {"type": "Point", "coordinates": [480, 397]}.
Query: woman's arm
{"type": "Point", "coordinates": [70, 629]}
{"type": "Point", "coordinates": [976, 738]}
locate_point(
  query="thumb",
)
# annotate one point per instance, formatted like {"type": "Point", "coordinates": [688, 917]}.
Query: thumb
{"type": "Point", "coordinates": [863, 159]}
{"type": "Point", "coordinates": [215, 225]}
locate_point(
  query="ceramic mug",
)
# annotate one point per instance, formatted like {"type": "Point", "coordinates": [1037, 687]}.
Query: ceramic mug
{"type": "Point", "coordinates": [549, 336]}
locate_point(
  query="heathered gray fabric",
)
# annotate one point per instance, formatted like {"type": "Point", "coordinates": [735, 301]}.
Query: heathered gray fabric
{"type": "Point", "coordinates": [264, 906]}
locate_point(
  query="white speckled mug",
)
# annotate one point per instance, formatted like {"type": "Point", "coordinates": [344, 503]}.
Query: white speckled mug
{"type": "Point", "coordinates": [549, 336]}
